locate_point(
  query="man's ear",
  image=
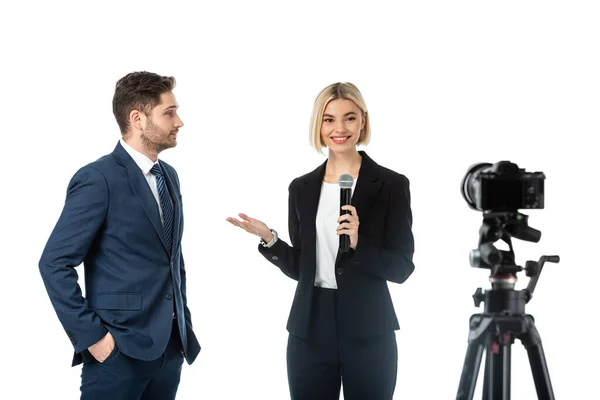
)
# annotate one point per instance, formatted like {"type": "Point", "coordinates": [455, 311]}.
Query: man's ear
{"type": "Point", "coordinates": [137, 120]}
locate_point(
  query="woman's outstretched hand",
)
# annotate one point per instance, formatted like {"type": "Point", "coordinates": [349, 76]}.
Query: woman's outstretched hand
{"type": "Point", "coordinates": [253, 226]}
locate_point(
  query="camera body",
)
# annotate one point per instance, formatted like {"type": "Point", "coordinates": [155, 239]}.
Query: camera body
{"type": "Point", "coordinates": [502, 187]}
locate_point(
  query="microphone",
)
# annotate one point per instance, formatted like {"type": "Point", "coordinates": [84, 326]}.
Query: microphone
{"type": "Point", "coordinates": [345, 181]}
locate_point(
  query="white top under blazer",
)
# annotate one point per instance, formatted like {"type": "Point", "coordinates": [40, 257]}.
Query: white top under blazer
{"type": "Point", "coordinates": [328, 242]}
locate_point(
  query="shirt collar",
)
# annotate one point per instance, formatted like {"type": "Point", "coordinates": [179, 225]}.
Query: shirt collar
{"type": "Point", "coordinates": [140, 159]}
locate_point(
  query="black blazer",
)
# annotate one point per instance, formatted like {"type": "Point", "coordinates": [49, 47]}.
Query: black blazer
{"type": "Point", "coordinates": [384, 251]}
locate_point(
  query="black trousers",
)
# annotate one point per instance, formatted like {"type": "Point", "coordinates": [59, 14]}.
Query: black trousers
{"type": "Point", "coordinates": [317, 367]}
{"type": "Point", "coordinates": [120, 377]}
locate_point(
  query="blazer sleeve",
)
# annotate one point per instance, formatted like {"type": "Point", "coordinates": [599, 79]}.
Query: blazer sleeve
{"type": "Point", "coordinates": [393, 261]}
{"type": "Point", "coordinates": [186, 310]}
{"type": "Point", "coordinates": [82, 216]}
{"type": "Point", "coordinates": [281, 254]}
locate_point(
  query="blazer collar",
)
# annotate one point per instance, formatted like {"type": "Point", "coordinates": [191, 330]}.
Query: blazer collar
{"type": "Point", "coordinates": [120, 154]}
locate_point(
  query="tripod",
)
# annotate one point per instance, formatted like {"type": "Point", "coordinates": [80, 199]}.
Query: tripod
{"type": "Point", "coordinates": [504, 318]}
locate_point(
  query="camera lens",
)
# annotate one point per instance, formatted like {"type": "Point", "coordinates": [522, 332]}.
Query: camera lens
{"type": "Point", "coordinates": [471, 186]}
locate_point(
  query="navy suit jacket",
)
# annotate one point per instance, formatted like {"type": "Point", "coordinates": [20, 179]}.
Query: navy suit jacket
{"type": "Point", "coordinates": [133, 283]}
{"type": "Point", "coordinates": [384, 251]}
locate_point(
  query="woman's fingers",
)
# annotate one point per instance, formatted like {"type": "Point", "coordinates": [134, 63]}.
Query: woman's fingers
{"type": "Point", "coordinates": [235, 222]}
{"type": "Point", "coordinates": [248, 224]}
{"type": "Point", "coordinates": [245, 217]}
{"type": "Point", "coordinates": [346, 227]}
{"type": "Point", "coordinates": [352, 210]}
{"type": "Point", "coordinates": [347, 217]}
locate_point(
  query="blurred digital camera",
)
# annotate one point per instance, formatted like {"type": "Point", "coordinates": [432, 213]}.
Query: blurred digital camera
{"type": "Point", "coordinates": [502, 187]}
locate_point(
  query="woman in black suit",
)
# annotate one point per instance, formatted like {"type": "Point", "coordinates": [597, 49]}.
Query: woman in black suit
{"type": "Point", "coordinates": [342, 323]}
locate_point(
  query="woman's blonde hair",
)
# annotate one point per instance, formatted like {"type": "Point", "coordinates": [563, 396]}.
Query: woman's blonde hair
{"type": "Point", "coordinates": [339, 90]}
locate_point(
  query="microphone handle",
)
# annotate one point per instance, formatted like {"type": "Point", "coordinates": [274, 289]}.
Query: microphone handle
{"type": "Point", "coordinates": [345, 199]}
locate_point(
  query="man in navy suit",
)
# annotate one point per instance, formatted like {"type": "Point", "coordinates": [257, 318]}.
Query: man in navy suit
{"type": "Point", "coordinates": [123, 220]}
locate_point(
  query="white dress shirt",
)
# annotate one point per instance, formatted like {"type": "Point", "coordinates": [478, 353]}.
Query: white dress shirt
{"type": "Point", "coordinates": [328, 242]}
{"type": "Point", "coordinates": [145, 165]}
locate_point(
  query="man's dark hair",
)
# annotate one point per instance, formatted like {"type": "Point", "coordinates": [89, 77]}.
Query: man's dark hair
{"type": "Point", "coordinates": [138, 91]}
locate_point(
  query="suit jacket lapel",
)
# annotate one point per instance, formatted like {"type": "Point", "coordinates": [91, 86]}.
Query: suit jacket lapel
{"type": "Point", "coordinates": [366, 190]}
{"type": "Point", "coordinates": [176, 207]}
{"type": "Point", "coordinates": [309, 201]}
{"type": "Point", "coordinates": [367, 186]}
{"type": "Point", "coordinates": [141, 189]}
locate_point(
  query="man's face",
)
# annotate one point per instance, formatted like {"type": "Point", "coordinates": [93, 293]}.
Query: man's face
{"type": "Point", "coordinates": [161, 126]}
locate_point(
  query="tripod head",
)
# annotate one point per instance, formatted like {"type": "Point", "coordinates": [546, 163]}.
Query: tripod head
{"type": "Point", "coordinates": [505, 225]}
{"type": "Point", "coordinates": [501, 226]}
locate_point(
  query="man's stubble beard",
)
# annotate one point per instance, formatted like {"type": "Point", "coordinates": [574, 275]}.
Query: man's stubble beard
{"type": "Point", "coordinates": [151, 139]}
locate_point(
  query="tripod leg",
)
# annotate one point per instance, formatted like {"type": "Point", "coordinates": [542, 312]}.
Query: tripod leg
{"type": "Point", "coordinates": [486, 375]}
{"type": "Point", "coordinates": [497, 377]}
{"type": "Point", "coordinates": [468, 377]}
{"type": "Point", "coordinates": [537, 360]}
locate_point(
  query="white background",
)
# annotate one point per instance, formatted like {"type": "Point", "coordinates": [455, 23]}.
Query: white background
{"type": "Point", "coordinates": [447, 83]}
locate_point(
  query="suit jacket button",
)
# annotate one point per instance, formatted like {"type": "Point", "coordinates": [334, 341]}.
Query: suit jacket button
{"type": "Point", "coordinates": [168, 296]}
{"type": "Point", "coordinates": [274, 258]}
{"type": "Point", "coordinates": [340, 271]}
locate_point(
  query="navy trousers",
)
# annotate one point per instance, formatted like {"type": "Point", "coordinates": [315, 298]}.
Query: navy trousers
{"type": "Point", "coordinates": [121, 377]}
{"type": "Point", "coordinates": [366, 368]}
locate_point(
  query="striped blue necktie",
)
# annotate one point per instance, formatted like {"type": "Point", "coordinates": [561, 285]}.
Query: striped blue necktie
{"type": "Point", "coordinates": [165, 203]}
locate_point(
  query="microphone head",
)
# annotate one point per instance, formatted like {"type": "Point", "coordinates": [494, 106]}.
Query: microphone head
{"type": "Point", "coordinates": [345, 181]}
